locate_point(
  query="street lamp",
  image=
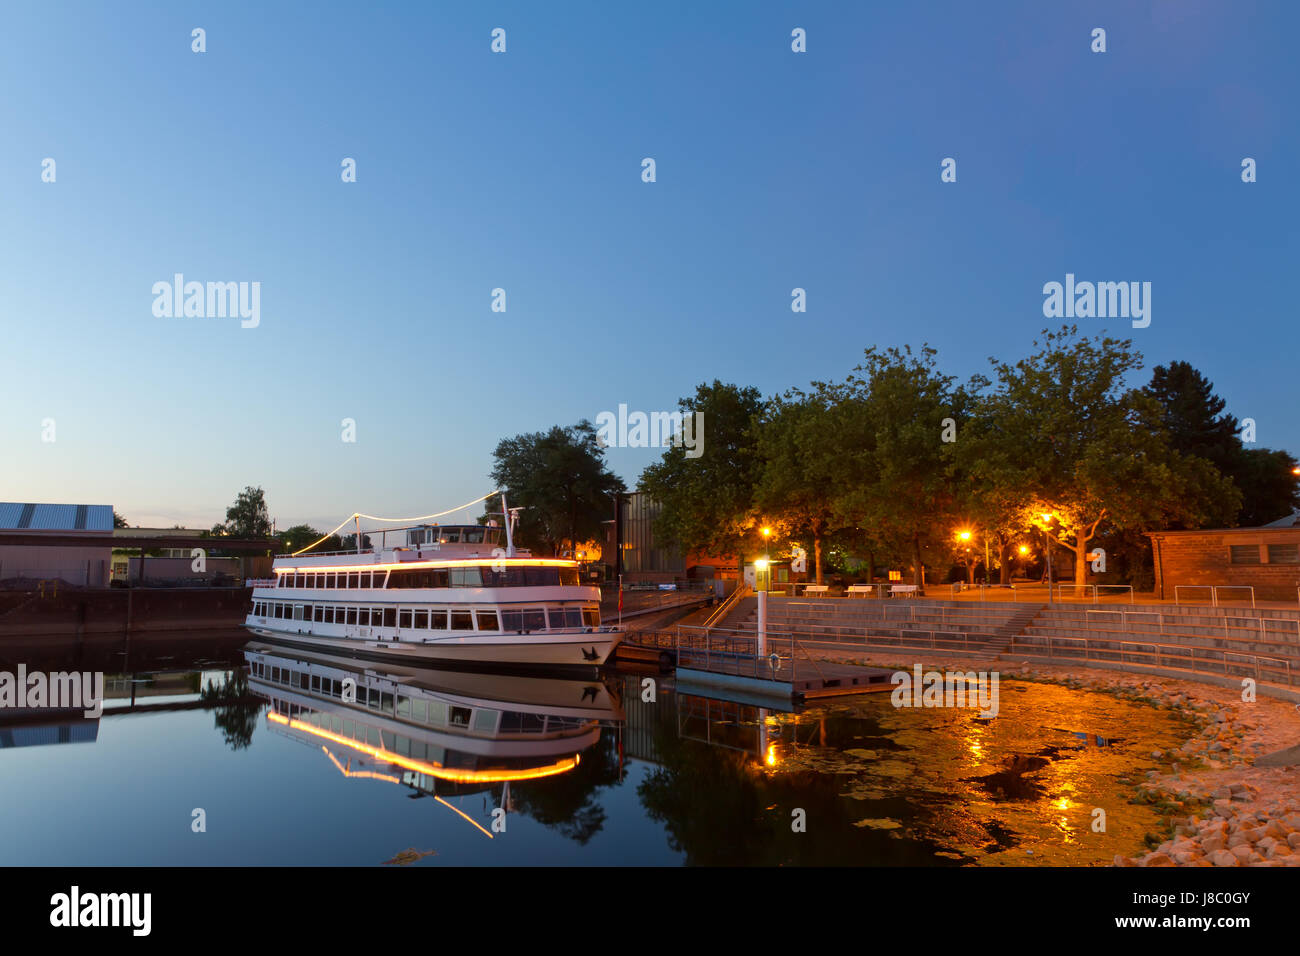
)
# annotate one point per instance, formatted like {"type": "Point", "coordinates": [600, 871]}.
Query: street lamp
{"type": "Point", "coordinates": [964, 536]}
{"type": "Point", "coordinates": [760, 567]}
{"type": "Point", "coordinates": [1047, 522]}
{"type": "Point", "coordinates": [767, 553]}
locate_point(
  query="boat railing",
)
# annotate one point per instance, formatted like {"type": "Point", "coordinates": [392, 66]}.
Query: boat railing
{"type": "Point", "coordinates": [324, 554]}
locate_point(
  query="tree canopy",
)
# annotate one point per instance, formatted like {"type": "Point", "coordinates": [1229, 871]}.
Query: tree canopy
{"type": "Point", "coordinates": [247, 517]}
{"type": "Point", "coordinates": [560, 480]}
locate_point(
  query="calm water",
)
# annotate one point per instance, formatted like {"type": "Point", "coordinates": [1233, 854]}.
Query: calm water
{"type": "Point", "coordinates": [288, 772]}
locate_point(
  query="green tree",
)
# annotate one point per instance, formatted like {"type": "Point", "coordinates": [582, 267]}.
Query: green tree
{"type": "Point", "coordinates": [119, 521]}
{"type": "Point", "coordinates": [708, 501]}
{"type": "Point", "coordinates": [1193, 415]}
{"type": "Point", "coordinates": [1268, 483]}
{"type": "Point", "coordinates": [807, 473]}
{"type": "Point", "coordinates": [1194, 418]}
{"type": "Point", "coordinates": [302, 535]}
{"type": "Point", "coordinates": [560, 480]}
{"type": "Point", "coordinates": [897, 409]}
{"type": "Point", "coordinates": [1081, 449]}
{"type": "Point", "coordinates": [247, 517]}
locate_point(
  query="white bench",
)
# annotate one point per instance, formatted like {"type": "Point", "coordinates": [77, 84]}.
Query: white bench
{"type": "Point", "coordinates": [907, 590]}
{"type": "Point", "coordinates": [821, 589]}
{"type": "Point", "coordinates": [864, 589]}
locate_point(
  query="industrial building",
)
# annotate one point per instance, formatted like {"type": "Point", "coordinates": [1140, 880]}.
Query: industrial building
{"type": "Point", "coordinates": [74, 554]}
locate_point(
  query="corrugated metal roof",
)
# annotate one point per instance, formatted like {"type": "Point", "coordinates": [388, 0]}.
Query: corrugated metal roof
{"type": "Point", "coordinates": [26, 516]}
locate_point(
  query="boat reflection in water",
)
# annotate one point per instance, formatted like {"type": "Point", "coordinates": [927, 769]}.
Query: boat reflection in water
{"type": "Point", "coordinates": [440, 732]}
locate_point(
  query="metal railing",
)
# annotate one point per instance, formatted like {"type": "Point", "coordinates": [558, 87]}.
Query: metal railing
{"type": "Point", "coordinates": [1183, 656]}
{"type": "Point", "coordinates": [960, 587]}
{"type": "Point", "coordinates": [726, 606]}
{"type": "Point", "coordinates": [734, 654]}
{"type": "Point", "coordinates": [1214, 590]}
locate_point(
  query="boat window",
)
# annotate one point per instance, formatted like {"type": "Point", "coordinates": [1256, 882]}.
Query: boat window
{"type": "Point", "coordinates": [565, 617]}
{"type": "Point", "coordinates": [419, 709]}
{"type": "Point", "coordinates": [418, 578]}
{"type": "Point", "coordinates": [390, 617]}
{"type": "Point", "coordinates": [363, 616]}
{"type": "Point", "coordinates": [438, 619]}
{"type": "Point", "coordinates": [437, 713]}
{"type": "Point", "coordinates": [512, 620]}
{"type": "Point", "coordinates": [297, 612]}
{"type": "Point", "coordinates": [352, 579]}
{"type": "Point", "coordinates": [472, 536]}
{"type": "Point", "coordinates": [591, 616]}
{"type": "Point", "coordinates": [534, 620]}
{"type": "Point", "coordinates": [421, 619]}
{"type": "Point", "coordinates": [403, 706]}
{"type": "Point", "coordinates": [485, 721]}
{"type": "Point", "coordinates": [315, 682]}
{"type": "Point", "coordinates": [460, 716]}
{"type": "Point", "coordinates": [487, 620]}
{"type": "Point", "coordinates": [318, 613]}
{"type": "Point", "coordinates": [352, 615]}
{"type": "Point", "coordinates": [404, 617]}
{"type": "Point", "coordinates": [450, 536]}
{"type": "Point", "coordinates": [462, 621]}
{"type": "Point", "coordinates": [466, 578]}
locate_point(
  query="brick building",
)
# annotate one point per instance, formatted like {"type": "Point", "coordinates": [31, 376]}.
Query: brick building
{"type": "Point", "coordinates": [1266, 558]}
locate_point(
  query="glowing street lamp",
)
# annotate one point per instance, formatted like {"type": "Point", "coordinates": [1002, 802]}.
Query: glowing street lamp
{"type": "Point", "coordinates": [1047, 540]}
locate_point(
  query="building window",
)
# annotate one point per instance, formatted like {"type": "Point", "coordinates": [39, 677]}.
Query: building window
{"type": "Point", "coordinates": [1284, 554]}
{"type": "Point", "coordinates": [1244, 553]}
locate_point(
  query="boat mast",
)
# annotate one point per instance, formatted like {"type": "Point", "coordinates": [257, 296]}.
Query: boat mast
{"type": "Point", "coordinates": [510, 522]}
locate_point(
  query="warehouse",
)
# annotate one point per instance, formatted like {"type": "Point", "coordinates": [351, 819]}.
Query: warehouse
{"type": "Point", "coordinates": [74, 554]}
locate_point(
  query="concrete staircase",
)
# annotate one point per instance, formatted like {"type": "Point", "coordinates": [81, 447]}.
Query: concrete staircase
{"type": "Point", "coordinates": [1220, 644]}
{"type": "Point", "coordinates": [982, 628]}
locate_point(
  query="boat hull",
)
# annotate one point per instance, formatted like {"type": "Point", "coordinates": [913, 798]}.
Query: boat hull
{"type": "Point", "coordinates": [531, 651]}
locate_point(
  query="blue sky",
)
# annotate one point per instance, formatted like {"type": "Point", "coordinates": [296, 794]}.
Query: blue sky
{"type": "Point", "coordinates": [522, 170]}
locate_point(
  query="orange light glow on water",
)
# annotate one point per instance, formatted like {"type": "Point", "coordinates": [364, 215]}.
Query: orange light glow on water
{"type": "Point", "coordinates": [423, 766]}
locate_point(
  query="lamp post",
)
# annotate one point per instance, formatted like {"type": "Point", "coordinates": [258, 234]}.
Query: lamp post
{"type": "Point", "coordinates": [964, 537]}
{"type": "Point", "coordinates": [1047, 540]}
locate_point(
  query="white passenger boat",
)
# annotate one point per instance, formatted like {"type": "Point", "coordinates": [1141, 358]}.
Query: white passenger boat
{"type": "Point", "coordinates": [443, 593]}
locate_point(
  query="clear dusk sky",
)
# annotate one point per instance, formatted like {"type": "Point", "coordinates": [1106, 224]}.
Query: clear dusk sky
{"type": "Point", "coordinates": [522, 170]}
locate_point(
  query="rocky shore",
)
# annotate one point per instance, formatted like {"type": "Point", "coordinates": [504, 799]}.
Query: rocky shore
{"type": "Point", "coordinates": [1238, 776]}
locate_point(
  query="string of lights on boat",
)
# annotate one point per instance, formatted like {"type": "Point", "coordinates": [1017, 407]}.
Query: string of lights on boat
{"type": "Point", "coordinates": [357, 514]}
